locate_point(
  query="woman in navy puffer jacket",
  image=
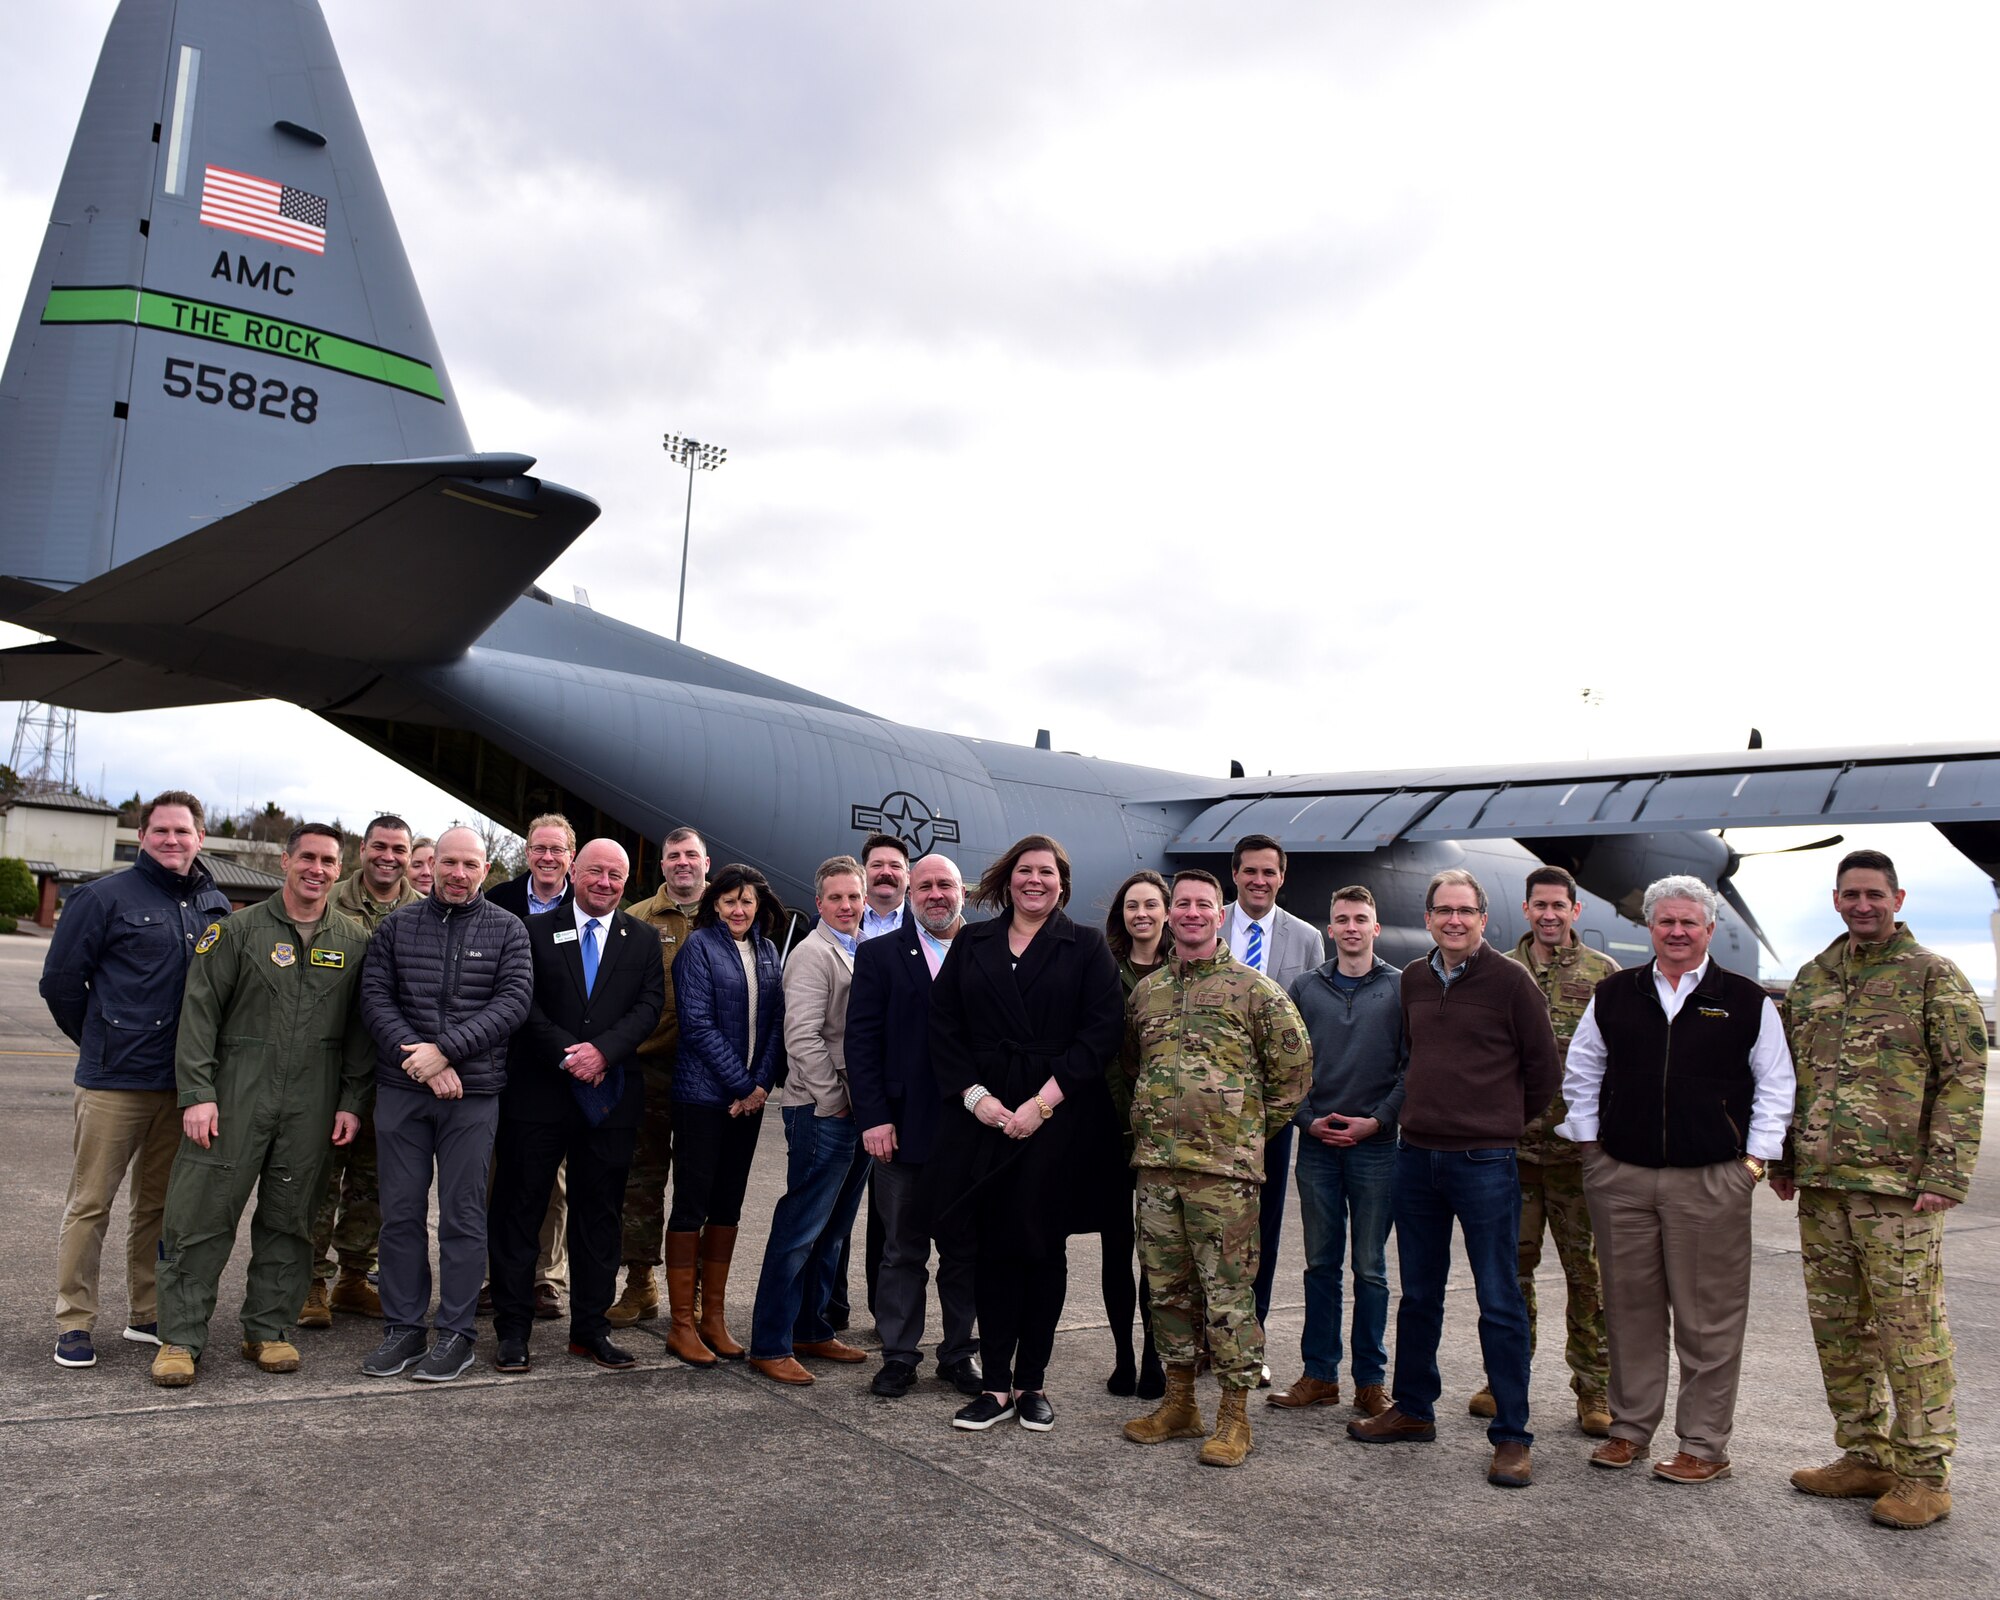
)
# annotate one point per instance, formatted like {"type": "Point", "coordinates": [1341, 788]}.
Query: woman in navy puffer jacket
{"type": "Point", "coordinates": [730, 1001]}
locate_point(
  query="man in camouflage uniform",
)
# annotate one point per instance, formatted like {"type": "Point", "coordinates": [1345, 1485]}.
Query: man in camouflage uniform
{"type": "Point", "coordinates": [1891, 1053]}
{"type": "Point", "coordinates": [1203, 1033]}
{"type": "Point", "coordinates": [349, 1218]}
{"type": "Point", "coordinates": [1567, 971]}
{"type": "Point", "coordinates": [684, 876]}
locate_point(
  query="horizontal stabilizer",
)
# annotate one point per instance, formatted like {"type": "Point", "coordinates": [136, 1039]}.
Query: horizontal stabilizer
{"type": "Point", "coordinates": [387, 564]}
{"type": "Point", "coordinates": [65, 675]}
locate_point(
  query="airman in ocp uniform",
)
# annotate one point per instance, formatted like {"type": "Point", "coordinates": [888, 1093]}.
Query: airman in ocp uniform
{"type": "Point", "coordinates": [1891, 1052]}
{"type": "Point", "coordinates": [273, 1069]}
{"type": "Point", "coordinates": [1567, 971]}
{"type": "Point", "coordinates": [1219, 1060]}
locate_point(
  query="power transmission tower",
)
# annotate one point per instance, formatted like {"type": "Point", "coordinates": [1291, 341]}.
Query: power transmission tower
{"type": "Point", "coordinates": [44, 756]}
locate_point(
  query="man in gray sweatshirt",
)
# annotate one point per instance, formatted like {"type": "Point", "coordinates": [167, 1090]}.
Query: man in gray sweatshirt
{"type": "Point", "coordinates": [1353, 1011]}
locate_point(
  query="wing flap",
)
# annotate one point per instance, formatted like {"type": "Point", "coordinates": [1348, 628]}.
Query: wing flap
{"type": "Point", "coordinates": [66, 675]}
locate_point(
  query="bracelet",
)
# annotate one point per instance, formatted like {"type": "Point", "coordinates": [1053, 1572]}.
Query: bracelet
{"type": "Point", "coordinates": [975, 1094]}
{"type": "Point", "coordinates": [1047, 1112]}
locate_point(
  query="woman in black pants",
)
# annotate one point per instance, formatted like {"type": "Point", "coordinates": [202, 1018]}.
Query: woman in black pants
{"type": "Point", "coordinates": [1026, 1015]}
{"type": "Point", "coordinates": [1137, 932]}
{"type": "Point", "coordinates": [730, 1000]}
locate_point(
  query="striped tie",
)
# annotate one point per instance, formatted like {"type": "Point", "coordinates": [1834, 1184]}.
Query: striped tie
{"type": "Point", "coordinates": [1253, 950]}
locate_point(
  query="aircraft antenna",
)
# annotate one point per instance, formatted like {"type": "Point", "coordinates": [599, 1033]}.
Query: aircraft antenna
{"type": "Point", "coordinates": [696, 457]}
{"type": "Point", "coordinates": [44, 757]}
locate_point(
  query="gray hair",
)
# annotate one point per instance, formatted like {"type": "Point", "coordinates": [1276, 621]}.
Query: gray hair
{"type": "Point", "coordinates": [1679, 886]}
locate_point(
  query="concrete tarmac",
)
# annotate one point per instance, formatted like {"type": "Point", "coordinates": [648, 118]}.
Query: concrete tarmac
{"type": "Point", "coordinates": [673, 1482]}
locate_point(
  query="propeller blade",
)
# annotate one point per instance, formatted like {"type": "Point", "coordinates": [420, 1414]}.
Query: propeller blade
{"type": "Point", "coordinates": [1793, 849]}
{"type": "Point", "coordinates": [1742, 908]}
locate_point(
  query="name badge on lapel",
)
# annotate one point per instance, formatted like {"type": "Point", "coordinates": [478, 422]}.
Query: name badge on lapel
{"type": "Point", "coordinates": [565, 938]}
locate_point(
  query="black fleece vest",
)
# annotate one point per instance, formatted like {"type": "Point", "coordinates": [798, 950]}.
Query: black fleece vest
{"type": "Point", "coordinates": [1677, 1094]}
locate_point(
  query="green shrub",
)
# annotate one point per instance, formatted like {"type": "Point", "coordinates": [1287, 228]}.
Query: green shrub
{"type": "Point", "coordinates": [17, 888]}
{"type": "Point", "coordinates": [9, 925]}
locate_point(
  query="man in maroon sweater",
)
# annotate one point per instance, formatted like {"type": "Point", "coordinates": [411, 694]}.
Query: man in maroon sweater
{"type": "Point", "coordinates": [1483, 1063]}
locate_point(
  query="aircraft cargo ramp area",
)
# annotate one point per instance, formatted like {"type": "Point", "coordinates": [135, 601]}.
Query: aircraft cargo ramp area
{"type": "Point", "coordinates": [673, 1482]}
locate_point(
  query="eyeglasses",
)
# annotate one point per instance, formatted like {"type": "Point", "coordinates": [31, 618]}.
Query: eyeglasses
{"type": "Point", "coordinates": [548, 850]}
{"type": "Point", "coordinates": [1458, 913]}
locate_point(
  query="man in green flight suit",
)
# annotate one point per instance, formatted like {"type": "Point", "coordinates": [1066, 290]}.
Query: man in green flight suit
{"type": "Point", "coordinates": [1890, 1048]}
{"type": "Point", "coordinates": [272, 1059]}
{"type": "Point", "coordinates": [1220, 1061]}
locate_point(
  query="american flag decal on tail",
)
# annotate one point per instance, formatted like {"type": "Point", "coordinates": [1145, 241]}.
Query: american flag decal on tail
{"type": "Point", "coordinates": [263, 209]}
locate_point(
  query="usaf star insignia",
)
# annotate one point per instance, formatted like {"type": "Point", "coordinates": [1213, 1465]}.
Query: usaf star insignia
{"type": "Point", "coordinates": [284, 955]}
{"type": "Point", "coordinates": [207, 940]}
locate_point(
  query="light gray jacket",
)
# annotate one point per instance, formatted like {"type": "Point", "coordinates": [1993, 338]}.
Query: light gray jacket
{"type": "Point", "coordinates": [1296, 945]}
{"type": "Point", "coordinates": [818, 975]}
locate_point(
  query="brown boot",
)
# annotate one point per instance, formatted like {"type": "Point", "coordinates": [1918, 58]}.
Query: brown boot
{"type": "Point", "coordinates": [1371, 1400]}
{"type": "Point", "coordinates": [1176, 1417]}
{"type": "Point", "coordinates": [1483, 1404]}
{"type": "Point", "coordinates": [353, 1292]}
{"type": "Point", "coordinates": [1852, 1477]}
{"type": "Point", "coordinates": [1913, 1503]}
{"type": "Point", "coordinates": [1593, 1415]}
{"type": "Point", "coordinates": [316, 1313]}
{"type": "Point", "coordinates": [682, 1340]}
{"type": "Point", "coordinates": [641, 1300]}
{"type": "Point", "coordinates": [717, 1246]}
{"type": "Point", "coordinates": [1231, 1441]}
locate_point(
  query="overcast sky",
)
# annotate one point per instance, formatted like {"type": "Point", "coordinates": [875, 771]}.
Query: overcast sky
{"type": "Point", "coordinates": [1322, 385]}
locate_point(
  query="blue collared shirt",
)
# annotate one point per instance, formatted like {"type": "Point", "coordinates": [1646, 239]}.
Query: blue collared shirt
{"type": "Point", "coordinates": [846, 941]}
{"type": "Point", "coordinates": [873, 922]}
{"type": "Point", "coordinates": [537, 907]}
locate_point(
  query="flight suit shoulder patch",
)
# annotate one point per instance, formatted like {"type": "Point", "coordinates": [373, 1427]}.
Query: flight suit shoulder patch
{"type": "Point", "coordinates": [284, 955]}
{"type": "Point", "coordinates": [208, 939]}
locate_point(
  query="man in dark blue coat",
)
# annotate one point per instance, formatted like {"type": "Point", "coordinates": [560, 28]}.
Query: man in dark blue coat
{"type": "Point", "coordinates": [896, 1101]}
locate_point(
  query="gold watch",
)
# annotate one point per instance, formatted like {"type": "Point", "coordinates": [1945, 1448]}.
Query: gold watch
{"type": "Point", "coordinates": [1755, 1168]}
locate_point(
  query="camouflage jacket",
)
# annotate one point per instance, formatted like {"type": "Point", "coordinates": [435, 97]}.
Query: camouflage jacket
{"type": "Point", "coordinates": [665, 916]}
{"type": "Point", "coordinates": [1567, 983]}
{"type": "Point", "coordinates": [351, 899]}
{"type": "Point", "coordinates": [1890, 1047]}
{"type": "Point", "coordinates": [1218, 1061]}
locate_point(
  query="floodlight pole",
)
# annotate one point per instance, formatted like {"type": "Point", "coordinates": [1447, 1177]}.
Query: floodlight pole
{"type": "Point", "coordinates": [692, 454]}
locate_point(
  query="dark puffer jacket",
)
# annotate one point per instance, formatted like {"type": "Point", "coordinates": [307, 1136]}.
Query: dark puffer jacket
{"type": "Point", "coordinates": [713, 1003]}
{"type": "Point", "coordinates": [458, 977]}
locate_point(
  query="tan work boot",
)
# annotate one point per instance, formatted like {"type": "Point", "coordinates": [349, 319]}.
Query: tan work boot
{"type": "Point", "coordinates": [641, 1300]}
{"type": "Point", "coordinates": [1230, 1442]}
{"type": "Point", "coordinates": [272, 1355]}
{"type": "Point", "coordinates": [316, 1313]}
{"type": "Point", "coordinates": [353, 1292]}
{"type": "Point", "coordinates": [1852, 1477]}
{"type": "Point", "coordinates": [1175, 1417]}
{"type": "Point", "coordinates": [1593, 1415]}
{"type": "Point", "coordinates": [1913, 1503]}
{"type": "Point", "coordinates": [683, 1342]}
{"type": "Point", "coordinates": [173, 1367]}
{"type": "Point", "coordinates": [1481, 1404]}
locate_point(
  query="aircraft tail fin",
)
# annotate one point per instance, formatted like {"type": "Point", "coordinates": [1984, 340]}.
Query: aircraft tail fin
{"type": "Point", "coordinates": [222, 306]}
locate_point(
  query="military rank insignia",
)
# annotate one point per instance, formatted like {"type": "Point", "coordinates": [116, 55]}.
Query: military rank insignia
{"type": "Point", "coordinates": [328, 958]}
{"type": "Point", "coordinates": [284, 955]}
{"type": "Point", "coordinates": [206, 942]}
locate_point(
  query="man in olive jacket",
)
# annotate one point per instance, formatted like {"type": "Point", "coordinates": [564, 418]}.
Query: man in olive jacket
{"type": "Point", "coordinates": [272, 1063]}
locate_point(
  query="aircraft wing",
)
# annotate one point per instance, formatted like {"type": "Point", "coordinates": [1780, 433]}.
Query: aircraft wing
{"type": "Point", "coordinates": [68, 675]}
{"type": "Point", "coordinates": [1338, 812]}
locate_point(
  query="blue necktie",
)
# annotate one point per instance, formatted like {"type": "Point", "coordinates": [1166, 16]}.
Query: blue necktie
{"type": "Point", "coordinates": [1253, 949]}
{"type": "Point", "coordinates": [590, 955]}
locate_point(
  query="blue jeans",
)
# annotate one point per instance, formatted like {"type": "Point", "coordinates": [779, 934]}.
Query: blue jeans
{"type": "Point", "coordinates": [823, 1184]}
{"type": "Point", "coordinates": [1333, 1182]}
{"type": "Point", "coordinates": [1483, 1191]}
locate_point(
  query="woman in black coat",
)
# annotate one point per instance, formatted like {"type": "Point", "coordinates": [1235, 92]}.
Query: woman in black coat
{"type": "Point", "coordinates": [1026, 1013]}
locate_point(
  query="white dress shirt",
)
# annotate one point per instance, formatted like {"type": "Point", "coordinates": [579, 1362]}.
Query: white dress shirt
{"type": "Point", "coordinates": [1770, 1070]}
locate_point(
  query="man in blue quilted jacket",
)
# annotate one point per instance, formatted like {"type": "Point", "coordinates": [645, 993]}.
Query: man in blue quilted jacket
{"type": "Point", "coordinates": [447, 983]}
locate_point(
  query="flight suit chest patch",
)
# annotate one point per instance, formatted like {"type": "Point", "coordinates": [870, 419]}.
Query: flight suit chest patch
{"type": "Point", "coordinates": [1577, 989]}
{"type": "Point", "coordinates": [284, 955]}
{"type": "Point", "coordinates": [328, 958]}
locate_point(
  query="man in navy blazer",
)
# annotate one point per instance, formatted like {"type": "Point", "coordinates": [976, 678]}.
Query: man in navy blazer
{"type": "Point", "coordinates": [897, 1103]}
{"type": "Point", "coordinates": [574, 1091]}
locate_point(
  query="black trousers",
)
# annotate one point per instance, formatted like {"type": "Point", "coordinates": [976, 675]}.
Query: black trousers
{"type": "Point", "coordinates": [526, 1155]}
{"type": "Point", "coordinates": [712, 1156]}
{"type": "Point", "coordinates": [1020, 1301]}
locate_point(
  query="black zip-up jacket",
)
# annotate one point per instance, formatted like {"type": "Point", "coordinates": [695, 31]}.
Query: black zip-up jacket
{"type": "Point", "coordinates": [458, 977]}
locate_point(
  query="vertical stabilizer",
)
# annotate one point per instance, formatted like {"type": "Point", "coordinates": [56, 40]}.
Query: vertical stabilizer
{"type": "Point", "coordinates": [222, 306]}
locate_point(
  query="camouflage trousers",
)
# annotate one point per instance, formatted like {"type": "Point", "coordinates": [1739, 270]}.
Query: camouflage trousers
{"type": "Point", "coordinates": [348, 1219]}
{"type": "Point", "coordinates": [652, 1163]}
{"type": "Point", "coordinates": [1875, 1293]}
{"type": "Point", "coordinates": [1552, 1198]}
{"type": "Point", "coordinates": [1198, 1246]}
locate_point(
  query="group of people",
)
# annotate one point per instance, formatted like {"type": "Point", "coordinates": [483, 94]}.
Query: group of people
{"type": "Point", "coordinates": [555, 1067]}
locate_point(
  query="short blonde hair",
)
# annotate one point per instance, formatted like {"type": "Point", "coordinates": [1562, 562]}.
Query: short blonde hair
{"type": "Point", "coordinates": [554, 819]}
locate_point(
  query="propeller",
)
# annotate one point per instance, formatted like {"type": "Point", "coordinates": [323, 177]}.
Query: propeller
{"type": "Point", "coordinates": [1729, 891]}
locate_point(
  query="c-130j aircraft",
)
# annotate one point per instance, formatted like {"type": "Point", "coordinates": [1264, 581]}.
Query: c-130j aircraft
{"type": "Point", "coordinates": [224, 404]}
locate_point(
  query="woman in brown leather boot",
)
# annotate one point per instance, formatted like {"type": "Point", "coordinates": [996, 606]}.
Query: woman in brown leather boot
{"type": "Point", "coordinates": [718, 1244]}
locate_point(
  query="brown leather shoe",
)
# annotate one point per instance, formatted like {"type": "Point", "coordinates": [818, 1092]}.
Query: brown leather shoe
{"type": "Point", "coordinates": [548, 1303]}
{"type": "Point", "coordinates": [1512, 1467]}
{"type": "Point", "coordinates": [782, 1370]}
{"type": "Point", "coordinates": [1305, 1392]}
{"type": "Point", "coordinates": [1593, 1415]}
{"type": "Point", "coordinates": [1684, 1468]}
{"type": "Point", "coordinates": [1371, 1399]}
{"type": "Point", "coordinates": [1392, 1427]}
{"type": "Point", "coordinates": [1615, 1453]}
{"type": "Point", "coordinates": [1913, 1503]}
{"type": "Point", "coordinates": [830, 1350]}
{"type": "Point", "coordinates": [1852, 1477]}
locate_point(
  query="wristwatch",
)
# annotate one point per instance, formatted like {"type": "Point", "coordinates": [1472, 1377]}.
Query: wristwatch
{"type": "Point", "coordinates": [1755, 1167]}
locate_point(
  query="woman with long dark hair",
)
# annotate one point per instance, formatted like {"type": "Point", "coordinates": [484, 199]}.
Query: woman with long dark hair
{"type": "Point", "coordinates": [1136, 931]}
{"type": "Point", "coordinates": [1026, 1015]}
{"type": "Point", "coordinates": [730, 1001]}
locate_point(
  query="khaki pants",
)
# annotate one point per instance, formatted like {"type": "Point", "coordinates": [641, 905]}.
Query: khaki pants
{"type": "Point", "coordinates": [115, 1129]}
{"type": "Point", "coordinates": [1673, 1243]}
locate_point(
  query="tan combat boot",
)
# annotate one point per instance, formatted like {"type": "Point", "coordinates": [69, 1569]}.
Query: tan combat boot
{"type": "Point", "coordinates": [682, 1341]}
{"type": "Point", "coordinates": [352, 1292]}
{"type": "Point", "coordinates": [1593, 1415]}
{"type": "Point", "coordinates": [316, 1313]}
{"type": "Point", "coordinates": [641, 1300]}
{"type": "Point", "coordinates": [272, 1355]}
{"type": "Point", "coordinates": [1482, 1404]}
{"type": "Point", "coordinates": [1852, 1477]}
{"type": "Point", "coordinates": [173, 1367]}
{"type": "Point", "coordinates": [1913, 1503]}
{"type": "Point", "coordinates": [1175, 1417]}
{"type": "Point", "coordinates": [1231, 1441]}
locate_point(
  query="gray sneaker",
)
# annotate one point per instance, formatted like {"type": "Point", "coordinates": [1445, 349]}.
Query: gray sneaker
{"type": "Point", "coordinates": [400, 1349]}
{"type": "Point", "coordinates": [448, 1359]}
